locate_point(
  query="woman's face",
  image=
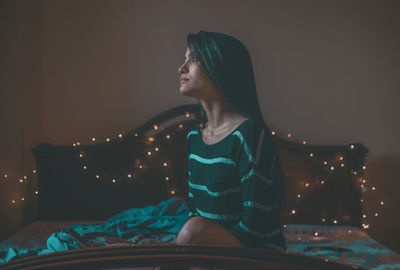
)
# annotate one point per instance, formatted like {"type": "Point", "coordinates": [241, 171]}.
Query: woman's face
{"type": "Point", "coordinates": [196, 83]}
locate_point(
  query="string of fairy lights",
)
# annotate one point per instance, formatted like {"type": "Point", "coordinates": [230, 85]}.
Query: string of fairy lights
{"type": "Point", "coordinates": [150, 141]}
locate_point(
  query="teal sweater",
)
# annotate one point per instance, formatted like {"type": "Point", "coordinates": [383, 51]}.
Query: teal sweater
{"type": "Point", "coordinates": [230, 183]}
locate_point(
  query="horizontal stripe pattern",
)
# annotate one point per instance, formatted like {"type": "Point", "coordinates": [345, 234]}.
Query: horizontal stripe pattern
{"type": "Point", "coordinates": [212, 160]}
{"type": "Point", "coordinates": [217, 216]}
{"type": "Point", "coordinates": [244, 156]}
{"type": "Point", "coordinates": [266, 208]}
{"type": "Point", "coordinates": [215, 193]}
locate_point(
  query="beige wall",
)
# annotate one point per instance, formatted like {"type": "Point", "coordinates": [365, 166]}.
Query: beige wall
{"type": "Point", "coordinates": [326, 71]}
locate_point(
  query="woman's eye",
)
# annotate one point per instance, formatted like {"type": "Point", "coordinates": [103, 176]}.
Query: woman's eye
{"type": "Point", "coordinates": [194, 58]}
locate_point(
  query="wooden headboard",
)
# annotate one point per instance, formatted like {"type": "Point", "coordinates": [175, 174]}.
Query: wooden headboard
{"type": "Point", "coordinates": [92, 181]}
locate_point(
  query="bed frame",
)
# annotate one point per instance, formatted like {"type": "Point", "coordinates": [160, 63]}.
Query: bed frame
{"type": "Point", "coordinates": [173, 257]}
{"type": "Point", "coordinates": [132, 173]}
{"type": "Point", "coordinates": [92, 181]}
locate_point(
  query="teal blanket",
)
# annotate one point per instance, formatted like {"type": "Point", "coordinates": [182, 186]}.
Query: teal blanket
{"type": "Point", "coordinates": [161, 223]}
{"type": "Point", "coordinates": [151, 224]}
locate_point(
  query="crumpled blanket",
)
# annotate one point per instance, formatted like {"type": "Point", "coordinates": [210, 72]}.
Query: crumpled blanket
{"type": "Point", "coordinates": [151, 224]}
{"type": "Point", "coordinates": [161, 223]}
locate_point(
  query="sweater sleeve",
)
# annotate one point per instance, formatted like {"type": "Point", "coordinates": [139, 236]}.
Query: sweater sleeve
{"type": "Point", "coordinates": [260, 219]}
{"type": "Point", "coordinates": [192, 207]}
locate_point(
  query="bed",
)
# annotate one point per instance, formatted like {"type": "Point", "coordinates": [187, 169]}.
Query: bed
{"type": "Point", "coordinates": [118, 204]}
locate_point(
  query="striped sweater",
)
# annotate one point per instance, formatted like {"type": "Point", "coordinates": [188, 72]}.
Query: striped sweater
{"type": "Point", "coordinates": [230, 183]}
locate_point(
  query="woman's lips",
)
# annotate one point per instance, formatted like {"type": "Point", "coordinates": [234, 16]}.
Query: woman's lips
{"type": "Point", "coordinates": [183, 80]}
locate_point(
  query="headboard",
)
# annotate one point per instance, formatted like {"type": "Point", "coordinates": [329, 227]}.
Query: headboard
{"type": "Point", "coordinates": [92, 181]}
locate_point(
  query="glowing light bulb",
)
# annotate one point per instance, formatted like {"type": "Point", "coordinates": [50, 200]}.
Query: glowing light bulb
{"type": "Point", "coordinates": [81, 155]}
{"type": "Point", "coordinates": [136, 134]}
{"type": "Point", "coordinates": [120, 135]}
{"type": "Point", "coordinates": [325, 162]}
{"type": "Point", "coordinates": [341, 158]}
{"type": "Point", "coordinates": [168, 136]}
{"type": "Point", "coordinates": [364, 216]}
{"type": "Point", "coordinates": [113, 180]}
{"type": "Point", "coordinates": [322, 182]}
{"type": "Point", "coordinates": [129, 175]}
{"type": "Point", "coordinates": [151, 139]}
{"type": "Point", "coordinates": [382, 203]}
{"type": "Point", "coordinates": [180, 126]}
{"type": "Point", "coordinates": [187, 114]}
{"type": "Point", "coordinates": [172, 191]}
{"type": "Point", "coordinates": [342, 165]}
{"type": "Point", "coordinates": [167, 178]}
{"type": "Point", "coordinates": [97, 176]}
{"type": "Point", "coordinates": [351, 146]}
{"type": "Point", "coordinates": [155, 127]}
{"type": "Point", "coordinates": [304, 142]}
{"type": "Point", "coordinates": [84, 167]}
{"type": "Point", "coordinates": [22, 199]}
{"type": "Point", "coordinates": [149, 153]}
{"type": "Point", "coordinates": [306, 184]}
{"type": "Point", "coordinates": [323, 220]}
{"type": "Point", "coordinates": [13, 201]}
{"type": "Point", "coordinates": [373, 188]}
{"type": "Point", "coordinates": [165, 164]}
{"type": "Point", "coordinates": [335, 221]}
{"type": "Point", "coordinates": [298, 195]}
{"type": "Point", "coordinates": [36, 192]}
{"type": "Point", "coordinates": [93, 139]}
{"type": "Point", "coordinates": [289, 135]}
{"type": "Point", "coordinates": [293, 211]}
{"type": "Point", "coordinates": [376, 214]}
{"type": "Point", "coordinates": [364, 167]}
{"type": "Point", "coordinates": [108, 139]}
{"type": "Point", "coordinates": [156, 148]}
{"type": "Point", "coordinates": [273, 132]}
{"type": "Point", "coordinates": [311, 154]}
{"type": "Point", "coordinates": [316, 233]}
{"type": "Point", "coordinates": [34, 171]}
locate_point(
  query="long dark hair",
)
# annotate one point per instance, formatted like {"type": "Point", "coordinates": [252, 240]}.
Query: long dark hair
{"type": "Point", "coordinates": [228, 65]}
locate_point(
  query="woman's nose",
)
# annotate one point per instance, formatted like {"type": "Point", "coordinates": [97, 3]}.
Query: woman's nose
{"type": "Point", "coordinates": [180, 69]}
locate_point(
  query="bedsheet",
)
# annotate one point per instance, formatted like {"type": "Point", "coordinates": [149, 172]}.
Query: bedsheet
{"type": "Point", "coordinates": [161, 223]}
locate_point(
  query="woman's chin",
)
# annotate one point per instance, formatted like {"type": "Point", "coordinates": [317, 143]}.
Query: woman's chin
{"type": "Point", "coordinates": [184, 91]}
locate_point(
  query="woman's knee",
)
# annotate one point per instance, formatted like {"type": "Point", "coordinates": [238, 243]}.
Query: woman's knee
{"type": "Point", "coordinates": [191, 230]}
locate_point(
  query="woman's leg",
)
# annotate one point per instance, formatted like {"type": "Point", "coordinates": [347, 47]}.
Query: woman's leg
{"type": "Point", "coordinates": [200, 230]}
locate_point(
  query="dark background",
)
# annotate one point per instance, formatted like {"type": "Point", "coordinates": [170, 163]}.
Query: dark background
{"type": "Point", "coordinates": [327, 72]}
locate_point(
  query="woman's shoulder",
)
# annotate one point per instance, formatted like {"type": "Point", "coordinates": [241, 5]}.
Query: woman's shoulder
{"type": "Point", "coordinates": [255, 134]}
{"type": "Point", "coordinates": [251, 129]}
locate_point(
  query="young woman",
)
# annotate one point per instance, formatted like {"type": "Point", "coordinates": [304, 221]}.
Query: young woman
{"type": "Point", "coordinates": [236, 193]}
